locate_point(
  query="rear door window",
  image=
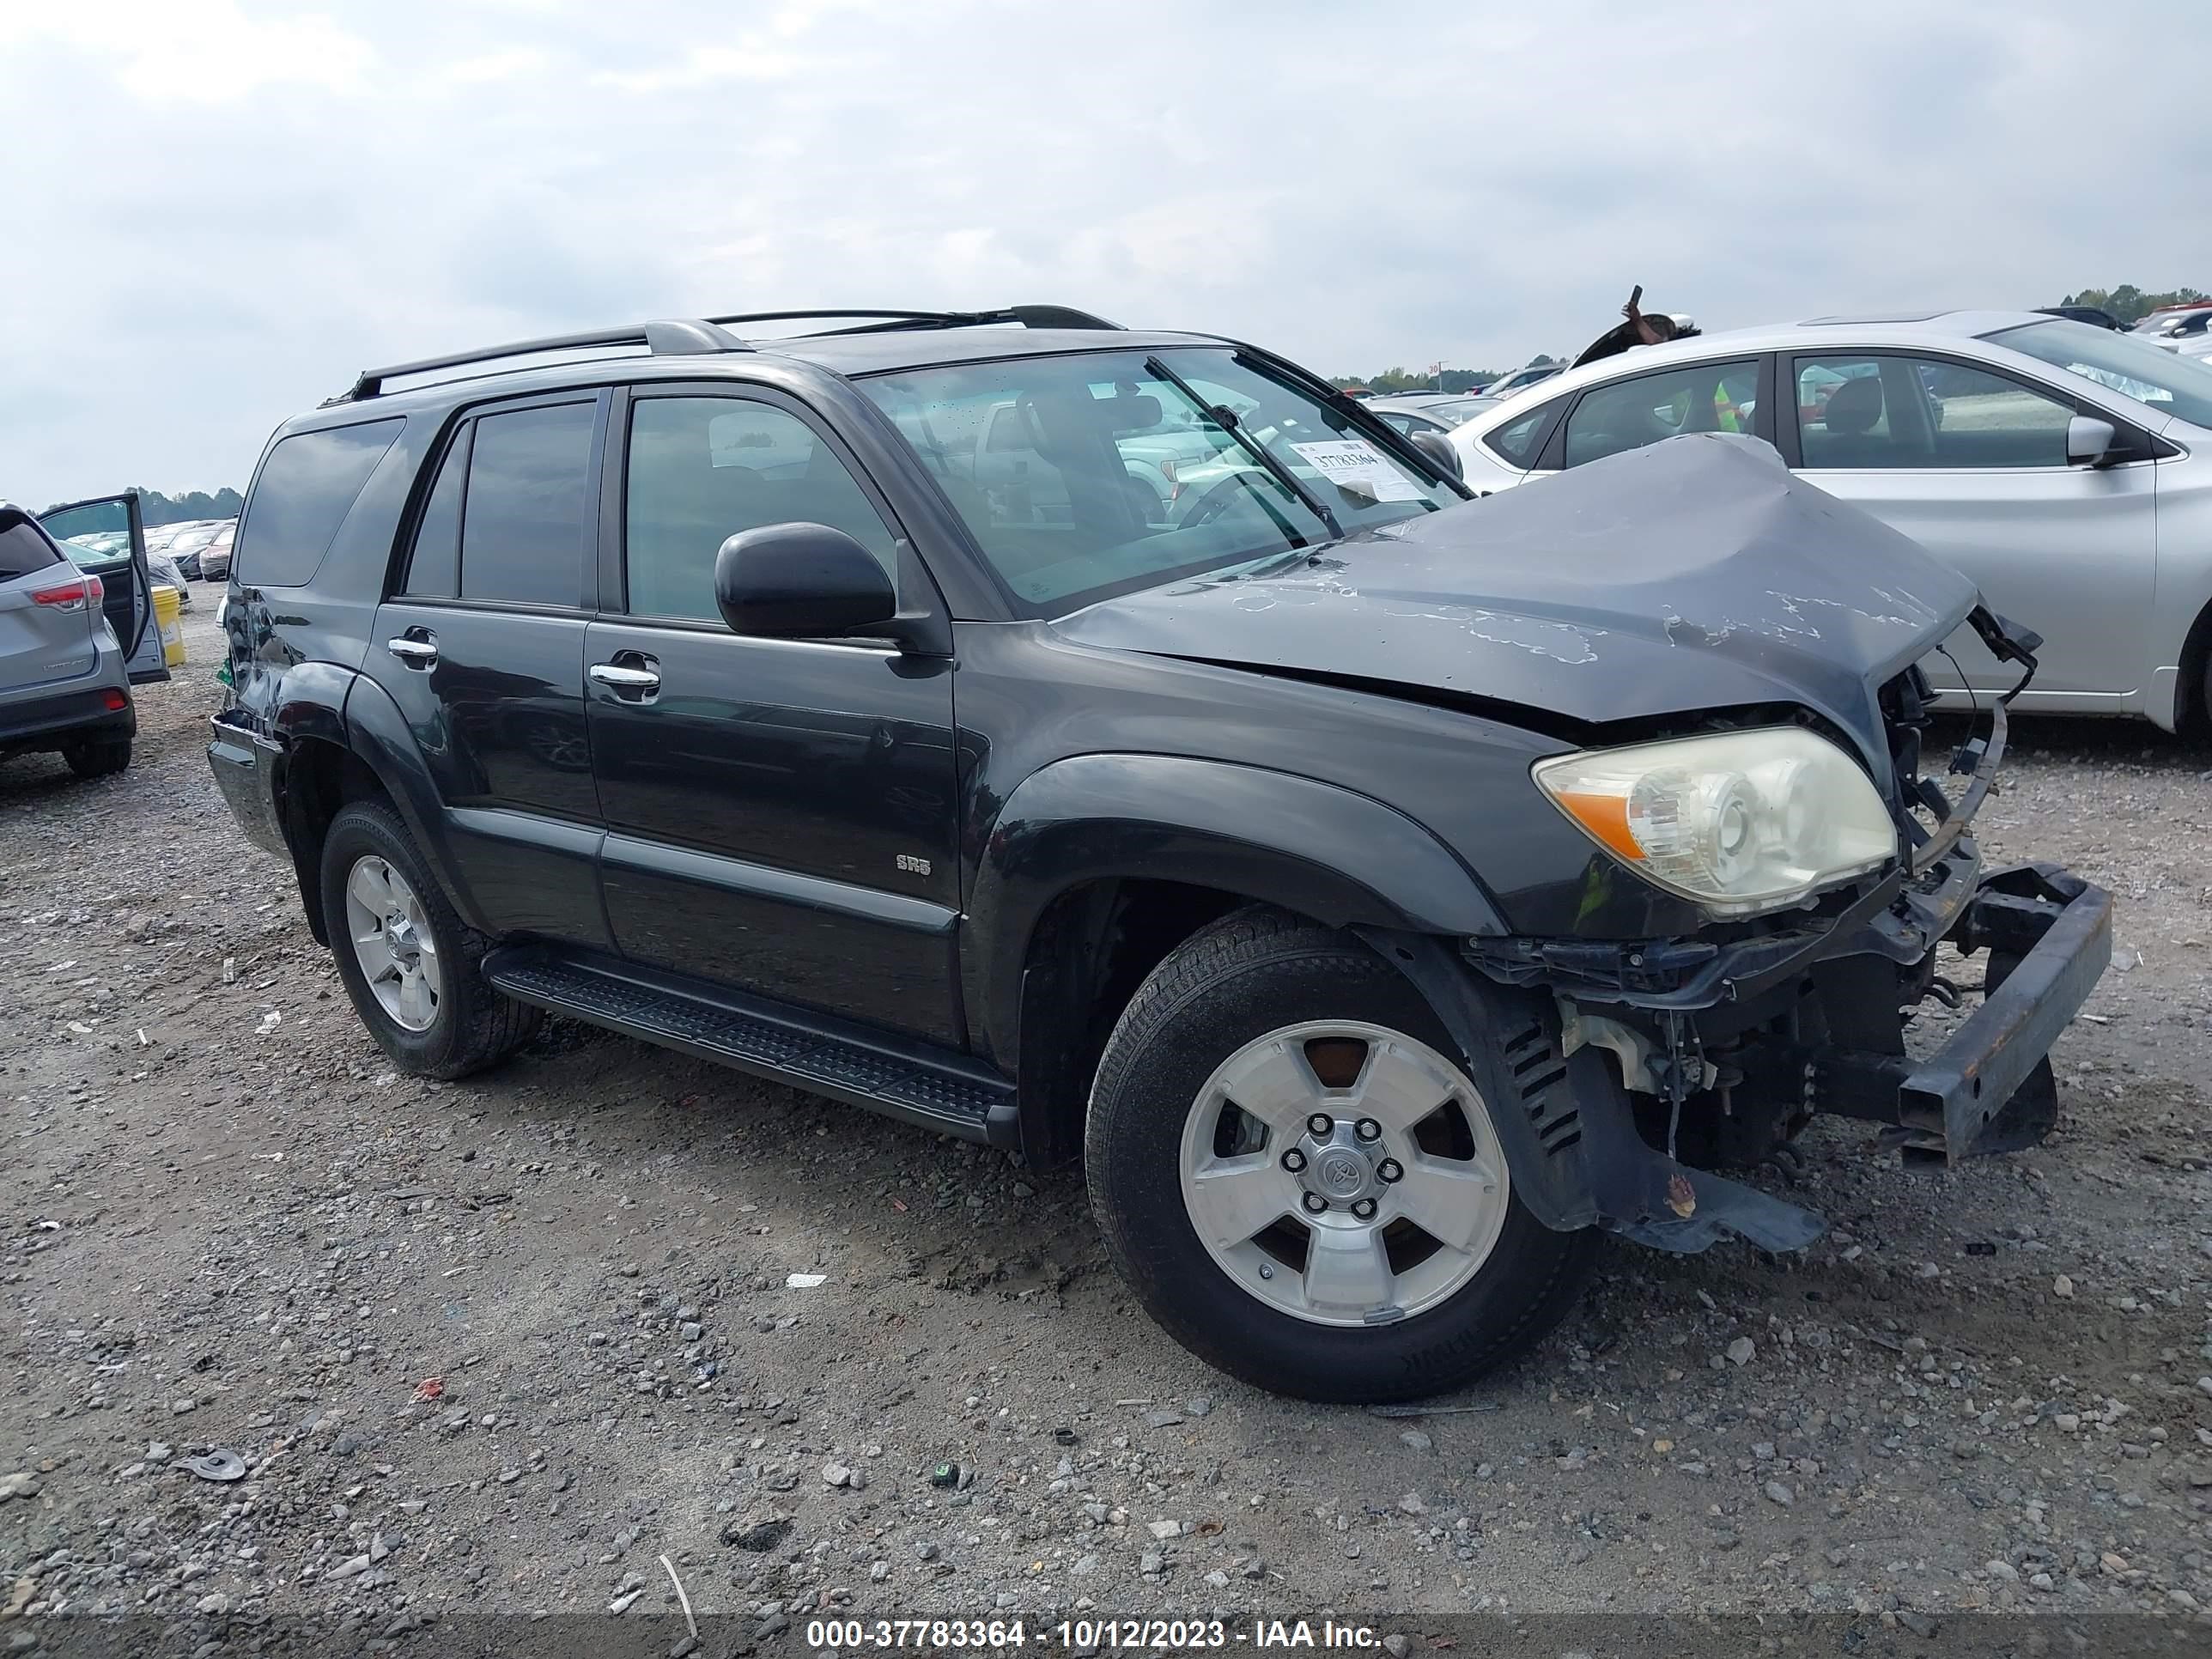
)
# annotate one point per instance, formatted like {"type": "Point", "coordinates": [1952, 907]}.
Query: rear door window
{"type": "Point", "coordinates": [434, 570]}
{"type": "Point", "coordinates": [527, 512]}
{"type": "Point", "coordinates": [307, 485]}
{"type": "Point", "coordinates": [22, 549]}
{"type": "Point", "coordinates": [1629, 413]}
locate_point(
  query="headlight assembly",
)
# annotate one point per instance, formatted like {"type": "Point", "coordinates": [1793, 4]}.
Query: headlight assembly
{"type": "Point", "coordinates": [1741, 822]}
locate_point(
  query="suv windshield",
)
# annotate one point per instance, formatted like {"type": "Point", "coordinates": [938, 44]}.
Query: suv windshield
{"type": "Point", "coordinates": [1084, 477]}
{"type": "Point", "coordinates": [2167, 383]}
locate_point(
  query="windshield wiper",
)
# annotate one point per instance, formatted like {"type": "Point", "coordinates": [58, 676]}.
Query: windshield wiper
{"type": "Point", "coordinates": [1227, 421]}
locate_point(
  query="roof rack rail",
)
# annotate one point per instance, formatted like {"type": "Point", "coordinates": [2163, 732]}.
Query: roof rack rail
{"type": "Point", "coordinates": [884, 322]}
{"type": "Point", "coordinates": [677, 337]}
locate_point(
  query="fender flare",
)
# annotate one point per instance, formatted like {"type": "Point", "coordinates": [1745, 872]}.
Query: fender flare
{"type": "Point", "coordinates": [312, 710]}
{"type": "Point", "coordinates": [314, 703]}
{"type": "Point", "coordinates": [377, 735]}
{"type": "Point", "coordinates": [1341, 857]}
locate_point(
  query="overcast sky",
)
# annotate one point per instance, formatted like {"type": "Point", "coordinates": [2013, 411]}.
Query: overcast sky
{"type": "Point", "coordinates": [219, 211]}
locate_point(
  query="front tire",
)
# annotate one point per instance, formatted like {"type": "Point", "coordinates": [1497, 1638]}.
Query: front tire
{"type": "Point", "coordinates": [411, 966]}
{"type": "Point", "coordinates": [1298, 1178]}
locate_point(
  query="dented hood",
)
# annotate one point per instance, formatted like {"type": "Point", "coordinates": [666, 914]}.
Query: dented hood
{"type": "Point", "coordinates": [1696, 573]}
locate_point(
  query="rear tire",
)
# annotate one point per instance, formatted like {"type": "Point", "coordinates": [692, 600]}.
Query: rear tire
{"type": "Point", "coordinates": [101, 758]}
{"type": "Point", "coordinates": [463, 1025]}
{"type": "Point", "coordinates": [1261, 998]}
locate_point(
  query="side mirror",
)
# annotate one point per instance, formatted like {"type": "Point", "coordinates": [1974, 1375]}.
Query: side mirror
{"type": "Point", "coordinates": [1438, 448]}
{"type": "Point", "coordinates": [800, 581]}
{"type": "Point", "coordinates": [2090, 442]}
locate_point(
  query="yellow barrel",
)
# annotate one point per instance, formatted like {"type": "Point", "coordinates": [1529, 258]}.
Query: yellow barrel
{"type": "Point", "coordinates": [169, 616]}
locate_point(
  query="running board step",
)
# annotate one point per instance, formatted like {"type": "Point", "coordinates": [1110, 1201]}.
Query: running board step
{"type": "Point", "coordinates": [944, 1092]}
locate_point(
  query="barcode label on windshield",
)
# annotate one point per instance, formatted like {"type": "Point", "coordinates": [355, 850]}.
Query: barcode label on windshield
{"type": "Point", "coordinates": [1354, 464]}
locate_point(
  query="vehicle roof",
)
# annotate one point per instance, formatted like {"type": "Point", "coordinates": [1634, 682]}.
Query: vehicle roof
{"type": "Point", "coordinates": [1927, 329]}
{"type": "Point", "coordinates": [1417, 399]}
{"type": "Point", "coordinates": [871, 354]}
{"type": "Point", "coordinates": [851, 354]}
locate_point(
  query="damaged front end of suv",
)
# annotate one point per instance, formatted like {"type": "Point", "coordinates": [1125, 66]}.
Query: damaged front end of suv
{"type": "Point", "coordinates": [1720, 1047]}
{"type": "Point", "coordinates": [1743, 845]}
{"type": "Point", "coordinates": [1829, 888]}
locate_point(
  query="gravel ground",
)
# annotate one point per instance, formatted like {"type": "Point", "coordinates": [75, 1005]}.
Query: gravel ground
{"type": "Point", "coordinates": [502, 1346]}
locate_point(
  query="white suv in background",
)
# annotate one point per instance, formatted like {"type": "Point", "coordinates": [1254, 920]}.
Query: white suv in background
{"type": "Point", "coordinates": [2066, 469]}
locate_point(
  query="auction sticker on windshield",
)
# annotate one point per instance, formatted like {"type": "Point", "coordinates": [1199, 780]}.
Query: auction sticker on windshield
{"type": "Point", "coordinates": [1356, 464]}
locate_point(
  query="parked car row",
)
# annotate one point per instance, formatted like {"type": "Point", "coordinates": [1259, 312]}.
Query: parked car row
{"type": "Point", "coordinates": [200, 548]}
{"type": "Point", "coordinates": [2184, 330]}
{"type": "Point", "coordinates": [1385, 892]}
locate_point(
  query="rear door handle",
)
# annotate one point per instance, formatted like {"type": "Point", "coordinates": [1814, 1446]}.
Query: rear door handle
{"type": "Point", "coordinates": [639, 676]}
{"type": "Point", "coordinates": [418, 648]}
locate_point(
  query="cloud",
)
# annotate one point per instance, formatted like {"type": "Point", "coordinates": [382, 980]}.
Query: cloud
{"type": "Point", "coordinates": [506, 64]}
{"type": "Point", "coordinates": [207, 51]}
{"type": "Point", "coordinates": [224, 209]}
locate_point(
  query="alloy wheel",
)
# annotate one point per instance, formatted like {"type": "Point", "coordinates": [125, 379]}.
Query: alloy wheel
{"type": "Point", "coordinates": [1344, 1173]}
{"type": "Point", "coordinates": [393, 944]}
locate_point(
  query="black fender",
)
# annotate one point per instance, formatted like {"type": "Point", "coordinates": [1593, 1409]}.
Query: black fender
{"type": "Point", "coordinates": [312, 703]}
{"type": "Point", "coordinates": [378, 734]}
{"type": "Point", "coordinates": [326, 702]}
{"type": "Point", "coordinates": [1342, 858]}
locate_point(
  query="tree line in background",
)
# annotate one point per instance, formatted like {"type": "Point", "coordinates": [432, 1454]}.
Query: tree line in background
{"type": "Point", "coordinates": [194, 504]}
{"type": "Point", "coordinates": [2129, 303]}
{"type": "Point", "coordinates": [1391, 381]}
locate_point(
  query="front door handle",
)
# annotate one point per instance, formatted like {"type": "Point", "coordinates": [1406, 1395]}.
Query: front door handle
{"type": "Point", "coordinates": [418, 648]}
{"type": "Point", "coordinates": [639, 676]}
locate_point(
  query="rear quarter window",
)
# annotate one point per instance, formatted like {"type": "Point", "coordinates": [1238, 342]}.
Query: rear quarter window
{"type": "Point", "coordinates": [1517, 442]}
{"type": "Point", "coordinates": [307, 485]}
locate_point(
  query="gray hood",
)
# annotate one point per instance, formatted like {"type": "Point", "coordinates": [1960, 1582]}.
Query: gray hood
{"type": "Point", "coordinates": [1696, 573]}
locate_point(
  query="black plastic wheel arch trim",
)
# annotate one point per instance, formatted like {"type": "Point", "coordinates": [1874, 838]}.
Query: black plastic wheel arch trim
{"type": "Point", "coordinates": [1602, 1174]}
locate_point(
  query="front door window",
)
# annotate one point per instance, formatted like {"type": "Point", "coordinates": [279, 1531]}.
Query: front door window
{"type": "Point", "coordinates": [703, 469]}
{"type": "Point", "coordinates": [1872, 409]}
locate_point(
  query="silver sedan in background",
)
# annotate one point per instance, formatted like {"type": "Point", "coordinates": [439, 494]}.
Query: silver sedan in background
{"type": "Point", "coordinates": [1439, 412]}
{"type": "Point", "coordinates": [2066, 469]}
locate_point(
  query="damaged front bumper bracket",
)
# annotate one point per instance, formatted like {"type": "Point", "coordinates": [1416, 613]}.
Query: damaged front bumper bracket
{"type": "Point", "coordinates": [1576, 1156]}
{"type": "Point", "coordinates": [2049, 940]}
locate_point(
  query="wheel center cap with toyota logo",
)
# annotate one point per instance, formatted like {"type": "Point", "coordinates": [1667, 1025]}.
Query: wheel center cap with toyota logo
{"type": "Point", "coordinates": [1341, 1174]}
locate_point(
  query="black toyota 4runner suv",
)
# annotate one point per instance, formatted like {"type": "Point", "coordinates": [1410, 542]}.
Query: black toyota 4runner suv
{"type": "Point", "coordinates": [1121, 746]}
